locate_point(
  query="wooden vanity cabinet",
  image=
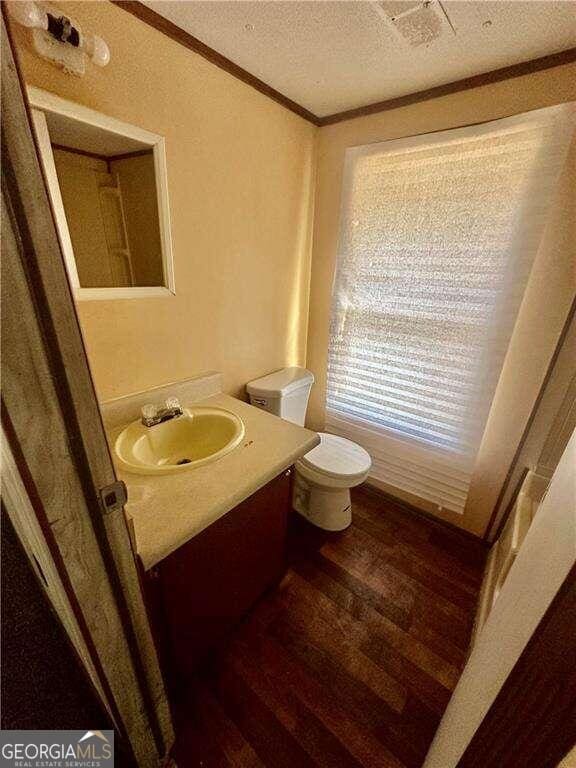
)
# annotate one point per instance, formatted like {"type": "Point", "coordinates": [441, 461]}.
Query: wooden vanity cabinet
{"type": "Point", "coordinates": [203, 589]}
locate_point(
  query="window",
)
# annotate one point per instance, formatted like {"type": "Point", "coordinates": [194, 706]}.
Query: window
{"type": "Point", "coordinates": [438, 235]}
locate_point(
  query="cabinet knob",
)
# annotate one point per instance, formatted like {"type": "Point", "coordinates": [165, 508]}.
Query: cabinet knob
{"type": "Point", "coordinates": [288, 473]}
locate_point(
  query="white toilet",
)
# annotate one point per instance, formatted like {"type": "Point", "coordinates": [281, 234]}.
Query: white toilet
{"type": "Point", "coordinates": [325, 475]}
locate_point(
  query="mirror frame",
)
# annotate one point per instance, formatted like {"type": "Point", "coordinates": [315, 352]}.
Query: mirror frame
{"type": "Point", "coordinates": [42, 101]}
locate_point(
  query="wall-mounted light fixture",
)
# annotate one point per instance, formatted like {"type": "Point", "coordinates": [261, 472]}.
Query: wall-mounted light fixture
{"type": "Point", "coordinates": [58, 38]}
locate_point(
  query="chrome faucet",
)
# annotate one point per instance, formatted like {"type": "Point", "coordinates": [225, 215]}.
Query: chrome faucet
{"type": "Point", "coordinates": [153, 414]}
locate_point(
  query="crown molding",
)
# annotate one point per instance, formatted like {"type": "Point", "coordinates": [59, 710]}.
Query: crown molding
{"type": "Point", "coordinates": [475, 81]}
{"type": "Point", "coordinates": [174, 32]}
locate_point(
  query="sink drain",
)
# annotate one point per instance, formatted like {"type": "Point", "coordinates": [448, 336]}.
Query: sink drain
{"type": "Point", "coordinates": [184, 461]}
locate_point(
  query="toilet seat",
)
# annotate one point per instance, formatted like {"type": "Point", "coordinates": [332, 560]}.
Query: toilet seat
{"type": "Point", "coordinates": [336, 461]}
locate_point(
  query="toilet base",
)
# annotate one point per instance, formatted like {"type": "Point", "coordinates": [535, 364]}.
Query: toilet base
{"type": "Point", "coordinates": [326, 508]}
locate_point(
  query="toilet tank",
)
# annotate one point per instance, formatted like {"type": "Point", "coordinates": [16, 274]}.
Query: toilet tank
{"type": "Point", "coordinates": [284, 393]}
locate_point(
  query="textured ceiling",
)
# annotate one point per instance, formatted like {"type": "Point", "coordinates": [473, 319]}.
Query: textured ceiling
{"type": "Point", "coordinates": [333, 56]}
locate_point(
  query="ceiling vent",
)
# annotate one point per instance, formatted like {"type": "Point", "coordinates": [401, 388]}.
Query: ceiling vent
{"type": "Point", "coordinates": [416, 22]}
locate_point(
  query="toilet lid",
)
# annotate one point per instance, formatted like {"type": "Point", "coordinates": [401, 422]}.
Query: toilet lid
{"type": "Point", "coordinates": [338, 457]}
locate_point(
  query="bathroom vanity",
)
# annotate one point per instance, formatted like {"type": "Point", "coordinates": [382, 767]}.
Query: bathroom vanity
{"type": "Point", "coordinates": [200, 591]}
{"type": "Point", "coordinates": [209, 539]}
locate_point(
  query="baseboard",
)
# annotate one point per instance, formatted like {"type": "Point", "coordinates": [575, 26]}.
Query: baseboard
{"type": "Point", "coordinates": [409, 508]}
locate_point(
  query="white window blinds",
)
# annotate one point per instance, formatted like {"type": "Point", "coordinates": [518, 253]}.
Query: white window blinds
{"type": "Point", "coordinates": [438, 234]}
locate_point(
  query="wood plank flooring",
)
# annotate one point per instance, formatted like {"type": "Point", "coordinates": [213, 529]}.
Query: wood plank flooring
{"type": "Point", "coordinates": [351, 661]}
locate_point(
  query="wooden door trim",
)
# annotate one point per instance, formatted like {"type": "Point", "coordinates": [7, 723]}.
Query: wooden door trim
{"type": "Point", "coordinates": [10, 221]}
{"type": "Point", "coordinates": [532, 720]}
{"type": "Point", "coordinates": [61, 394]}
{"type": "Point", "coordinates": [40, 512]}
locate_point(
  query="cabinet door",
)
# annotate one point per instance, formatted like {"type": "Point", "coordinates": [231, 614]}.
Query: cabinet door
{"type": "Point", "coordinates": [209, 583]}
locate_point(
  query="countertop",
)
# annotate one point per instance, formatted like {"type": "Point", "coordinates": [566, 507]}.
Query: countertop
{"type": "Point", "coordinates": [168, 510]}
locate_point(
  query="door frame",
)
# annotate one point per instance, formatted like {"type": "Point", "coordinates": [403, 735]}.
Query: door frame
{"type": "Point", "coordinates": [515, 702]}
{"type": "Point", "coordinates": [54, 431]}
{"type": "Point", "coordinates": [532, 721]}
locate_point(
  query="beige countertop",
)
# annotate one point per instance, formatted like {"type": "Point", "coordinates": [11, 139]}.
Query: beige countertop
{"type": "Point", "coordinates": [168, 510]}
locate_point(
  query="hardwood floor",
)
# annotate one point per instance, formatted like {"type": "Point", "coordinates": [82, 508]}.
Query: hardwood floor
{"type": "Point", "coordinates": [351, 661]}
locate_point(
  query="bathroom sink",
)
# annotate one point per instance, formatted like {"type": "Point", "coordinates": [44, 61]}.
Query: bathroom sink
{"type": "Point", "coordinates": [198, 436]}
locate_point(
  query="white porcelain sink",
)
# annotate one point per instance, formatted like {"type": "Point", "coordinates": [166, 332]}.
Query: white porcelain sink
{"type": "Point", "coordinates": [197, 437]}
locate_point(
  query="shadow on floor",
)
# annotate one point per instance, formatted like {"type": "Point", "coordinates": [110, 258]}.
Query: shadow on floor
{"type": "Point", "coordinates": [351, 660]}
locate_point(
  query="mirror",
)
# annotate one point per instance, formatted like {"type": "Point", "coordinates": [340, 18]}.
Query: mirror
{"type": "Point", "coordinates": [108, 187]}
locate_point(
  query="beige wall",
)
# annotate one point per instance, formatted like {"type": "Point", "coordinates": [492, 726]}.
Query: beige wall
{"type": "Point", "coordinates": [79, 178]}
{"type": "Point", "coordinates": [480, 104]}
{"type": "Point", "coordinates": [240, 174]}
{"type": "Point", "coordinates": [569, 761]}
{"type": "Point", "coordinates": [137, 180]}
{"type": "Point", "coordinates": [554, 421]}
{"type": "Point", "coordinates": [543, 313]}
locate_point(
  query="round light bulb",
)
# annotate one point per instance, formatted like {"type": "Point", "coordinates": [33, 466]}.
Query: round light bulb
{"type": "Point", "coordinates": [28, 14]}
{"type": "Point", "coordinates": [97, 49]}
